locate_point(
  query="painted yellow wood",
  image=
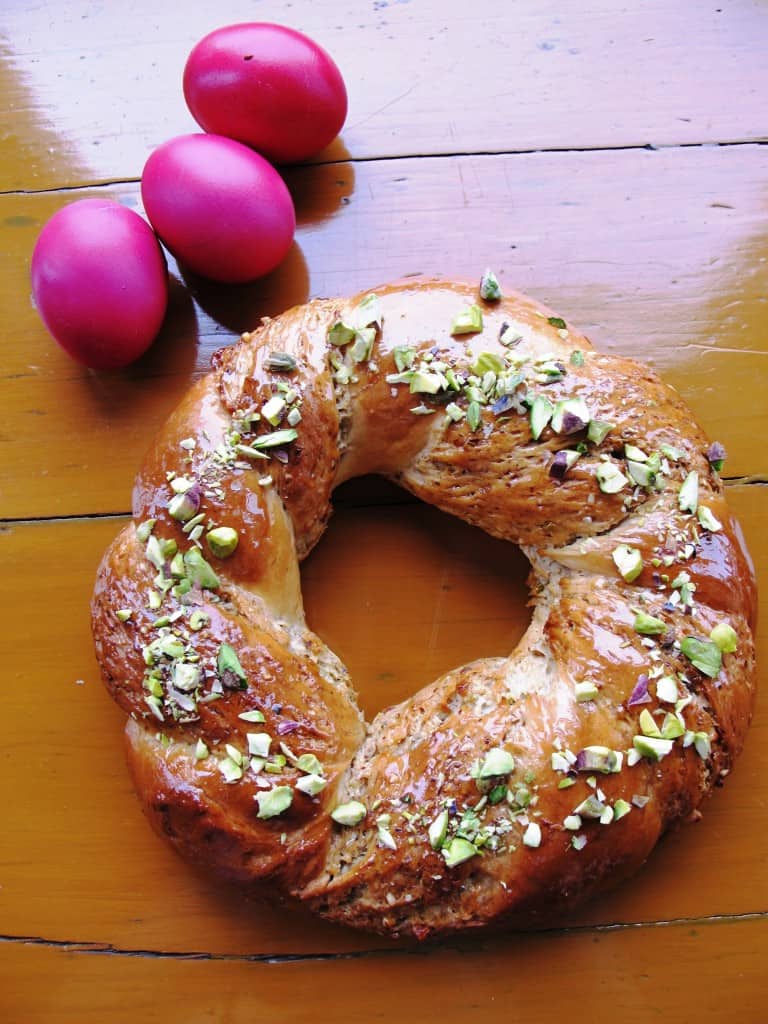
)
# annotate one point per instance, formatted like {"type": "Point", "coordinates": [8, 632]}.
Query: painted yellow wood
{"type": "Point", "coordinates": [711, 973]}
{"type": "Point", "coordinates": [92, 88]}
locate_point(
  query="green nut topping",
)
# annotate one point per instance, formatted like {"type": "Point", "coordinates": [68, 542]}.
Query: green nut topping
{"type": "Point", "coordinates": [222, 541]}
{"type": "Point", "coordinates": [201, 750]}
{"type": "Point", "coordinates": [229, 669]}
{"type": "Point", "coordinates": [404, 357]}
{"type": "Point", "coordinates": [123, 614]}
{"type": "Point", "coordinates": [610, 479]}
{"type": "Point", "coordinates": [199, 571]}
{"type": "Point", "coordinates": [310, 764]}
{"type": "Point", "coordinates": [280, 362]}
{"type": "Point", "coordinates": [341, 334]}
{"type": "Point", "coordinates": [598, 430]}
{"type": "Point", "coordinates": [666, 689]}
{"type": "Point", "coordinates": [532, 835]}
{"type": "Point", "coordinates": [620, 809]}
{"type": "Point", "coordinates": [230, 769]}
{"type": "Point", "coordinates": [577, 357]}
{"type": "Point", "coordinates": [351, 813]}
{"type": "Point", "coordinates": [276, 439]}
{"type": "Point", "coordinates": [672, 727]}
{"type": "Point", "coordinates": [454, 412]}
{"type": "Point", "coordinates": [541, 414]}
{"type": "Point", "coordinates": [586, 690]}
{"type": "Point", "coordinates": [251, 716]}
{"type": "Point", "coordinates": [458, 851]}
{"type": "Point", "coordinates": [708, 520]}
{"type": "Point", "coordinates": [274, 801]}
{"type": "Point", "coordinates": [495, 762]}
{"type": "Point", "coordinates": [258, 743]}
{"type": "Point", "coordinates": [558, 322]}
{"type": "Point", "coordinates": [490, 290]}
{"type": "Point", "coordinates": [652, 747]}
{"type": "Point", "coordinates": [144, 530]}
{"type": "Point", "coordinates": [437, 830]}
{"type": "Point", "coordinates": [468, 321]}
{"type": "Point", "coordinates": [724, 635]}
{"type": "Point", "coordinates": [182, 507]}
{"type": "Point", "coordinates": [473, 415]}
{"type": "Point", "coordinates": [688, 498]}
{"type": "Point", "coordinates": [705, 655]}
{"type": "Point", "coordinates": [628, 561]}
{"type": "Point", "coordinates": [198, 620]}
{"type": "Point", "coordinates": [487, 362]}
{"type": "Point", "coordinates": [311, 784]}
{"type": "Point", "coordinates": [648, 625]}
{"type": "Point", "coordinates": [570, 416]}
{"type": "Point", "coordinates": [648, 725]}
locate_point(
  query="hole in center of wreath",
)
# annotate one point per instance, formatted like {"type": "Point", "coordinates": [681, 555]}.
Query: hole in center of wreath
{"type": "Point", "coordinates": [403, 593]}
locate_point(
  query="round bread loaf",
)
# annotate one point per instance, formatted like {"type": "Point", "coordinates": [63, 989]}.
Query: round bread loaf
{"type": "Point", "coordinates": [511, 788]}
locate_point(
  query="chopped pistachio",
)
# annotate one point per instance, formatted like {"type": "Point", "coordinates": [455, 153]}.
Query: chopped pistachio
{"type": "Point", "coordinates": [586, 690]}
{"type": "Point", "coordinates": [599, 759]}
{"type": "Point", "coordinates": [229, 669]}
{"type": "Point", "coordinates": [230, 769]}
{"type": "Point", "coordinates": [222, 541]}
{"type": "Point", "coordinates": [634, 454]}
{"type": "Point", "coordinates": [490, 290]}
{"type": "Point", "coordinates": [652, 747]}
{"type": "Point", "coordinates": [707, 519]}
{"type": "Point", "coordinates": [252, 716]}
{"type": "Point", "coordinates": [577, 357]}
{"type": "Point", "coordinates": [198, 620]}
{"type": "Point", "coordinates": [688, 498]}
{"type": "Point", "coordinates": [144, 530]}
{"type": "Point", "coordinates": [249, 452]}
{"type": "Point", "coordinates": [453, 412]}
{"type": "Point", "coordinates": [705, 655]}
{"type": "Point", "coordinates": [423, 382]}
{"type": "Point", "coordinates": [641, 474]}
{"type": "Point", "coordinates": [487, 361]}
{"type": "Point", "coordinates": [280, 362]}
{"type": "Point", "coordinates": [177, 566]}
{"type": "Point", "coordinates": [273, 410]}
{"type": "Point", "coordinates": [458, 851]}
{"type": "Point", "coordinates": [186, 677]}
{"type": "Point", "coordinates": [154, 552]}
{"type": "Point", "coordinates": [557, 321]}
{"type": "Point", "coordinates": [437, 830]}
{"type": "Point", "coordinates": [473, 415]}
{"type": "Point", "coordinates": [495, 762]}
{"type": "Point", "coordinates": [570, 416]}
{"type": "Point", "coordinates": [199, 571]}
{"type": "Point", "coordinates": [572, 822]}
{"type": "Point", "coordinates": [672, 727]}
{"type": "Point", "coordinates": [276, 764]}
{"type": "Point", "coordinates": [610, 479]}
{"type": "Point", "coordinates": [666, 689]}
{"type": "Point", "coordinates": [184, 506]}
{"type": "Point", "coordinates": [293, 417]}
{"type": "Point", "coordinates": [351, 813]}
{"type": "Point", "coordinates": [578, 842]}
{"type": "Point", "coordinates": [672, 453]}
{"type": "Point", "coordinates": [591, 808]}
{"type": "Point", "coordinates": [385, 837]}
{"type": "Point", "coordinates": [311, 784]}
{"type": "Point", "coordinates": [181, 484]}
{"type": "Point", "coordinates": [276, 439]}
{"type": "Point", "coordinates": [362, 347]}
{"type": "Point", "coordinates": [123, 614]}
{"type": "Point", "coordinates": [201, 750]}
{"type": "Point", "coordinates": [310, 764]}
{"type": "Point", "coordinates": [468, 321]}
{"type": "Point", "coordinates": [566, 783]}
{"type": "Point", "coordinates": [620, 809]}
{"type": "Point", "coordinates": [723, 634]}
{"type": "Point", "coordinates": [340, 334]}
{"type": "Point", "coordinates": [258, 743]}
{"type": "Point", "coordinates": [541, 414]}
{"type": "Point", "coordinates": [702, 744]}
{"type": "Point", "coordinates": [598, 430]}
{"type": "Point", "coordinates": [629, 562]}
{"type": "Point", "coordinates": [648, 625]}
{"type": "Point", "coordinates": [648, 725]}
{"type": "Point", "coordinates": [532, 835]}
{"type": "Point", "coordinates": [189, 526]}
{"type": "Point", "coordinates": [563, 460]}
{"type": "Point", "coordinates": [509, 336]}
{"type": "Point", "coordinates": [154, 600]}
{"type": "Point", "coordinates": [274, 801]}
{"type": "Point", "coordinates": [404, 357]}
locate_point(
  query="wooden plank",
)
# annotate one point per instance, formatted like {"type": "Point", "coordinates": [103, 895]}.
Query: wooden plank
{"type": "Point", "coordinates": [710, 973]}
{"type": "Point", "coordinates": [89, 95]}
{"type": "Point", "coordinates": [402, 594]}
{"type": "Point", "coordinates": [659, 255]}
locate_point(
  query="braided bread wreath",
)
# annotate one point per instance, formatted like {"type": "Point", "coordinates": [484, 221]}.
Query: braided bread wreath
{"type": "Point", "coordinates": [511, 788]}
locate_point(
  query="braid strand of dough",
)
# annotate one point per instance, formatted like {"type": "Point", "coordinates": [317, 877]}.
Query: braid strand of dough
{"type": "Point", "coordinates": [511, 788]}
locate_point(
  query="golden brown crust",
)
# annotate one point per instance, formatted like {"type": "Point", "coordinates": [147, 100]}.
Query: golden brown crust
{"type": "Point", "coordinates": [509, 788]}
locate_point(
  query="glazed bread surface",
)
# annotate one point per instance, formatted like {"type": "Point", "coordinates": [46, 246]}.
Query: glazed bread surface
{"type": "Point", "coordinates": [511, 788]}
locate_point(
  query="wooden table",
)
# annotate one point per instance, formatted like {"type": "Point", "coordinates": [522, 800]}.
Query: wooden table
{"type": "Point", "coordinates": [607, 159]}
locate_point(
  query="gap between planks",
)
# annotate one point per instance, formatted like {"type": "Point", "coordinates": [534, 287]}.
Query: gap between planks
{"type": "Point", "coordinates": [446, 155]}
{"type": "Point", "coordinates": [458, 946]}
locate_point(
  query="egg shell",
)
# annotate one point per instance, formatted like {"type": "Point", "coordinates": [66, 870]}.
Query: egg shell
{"type": "Point", "coordinates": [100, 282]}
{"type": "Point", "coordinates": [220, 208]}
{"type": "Point", "coordinates": [268, 86]}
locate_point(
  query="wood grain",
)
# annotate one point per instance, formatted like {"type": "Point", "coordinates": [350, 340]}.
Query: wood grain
{"type": "Point", "coordinates": [92, 88]}
{"type": "Point", "coordinates": [635, 975]}
{"type": "Point", "coordinates": [658, 255]}
{"type": "Point", "coordinates": [402, 593]}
